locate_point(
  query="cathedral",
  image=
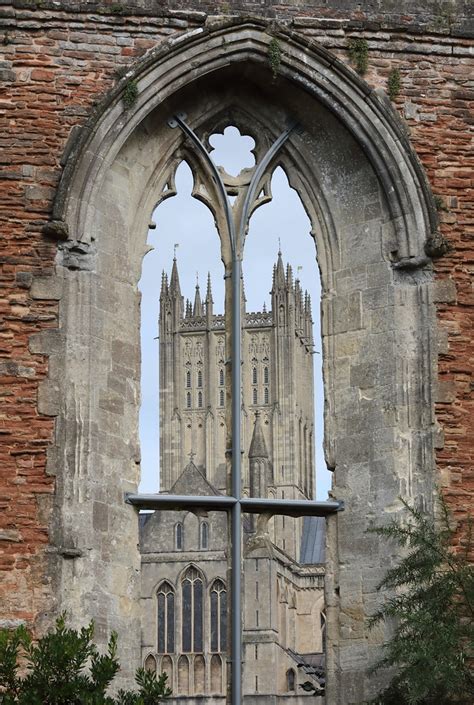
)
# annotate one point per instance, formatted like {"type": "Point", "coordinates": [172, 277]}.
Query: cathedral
{"type": "Point", "coordinates": [184, 554]}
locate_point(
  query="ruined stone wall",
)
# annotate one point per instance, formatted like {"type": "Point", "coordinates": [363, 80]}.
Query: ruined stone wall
{"type": "Point", "coordinates": [58, 60]}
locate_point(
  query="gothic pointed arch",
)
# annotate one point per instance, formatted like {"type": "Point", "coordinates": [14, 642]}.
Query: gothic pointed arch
{"type": "Point", "coordinates": [372, 214]}
{"type": "Point", "coordinates": [192, 610]}
{"type": "Point", "coordinates": [166, 618]}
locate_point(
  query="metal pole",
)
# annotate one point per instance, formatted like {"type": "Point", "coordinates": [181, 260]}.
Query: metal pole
{"type": "Point", "coordinates": [236, 533]}
{"type": "Point", "coordinates": [237, 239]}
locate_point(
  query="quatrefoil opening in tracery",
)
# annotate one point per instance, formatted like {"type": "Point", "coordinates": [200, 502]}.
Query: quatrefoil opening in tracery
{"type": "Point", "coordinates": [232, 151]}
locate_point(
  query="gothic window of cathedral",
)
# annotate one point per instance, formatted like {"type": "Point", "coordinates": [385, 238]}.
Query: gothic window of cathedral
{"type": "Point", "coordinates": [204, 535]}
{"type": "Point", "coordinates": [200, 400]}
{"type": "Point", "coordinates": [188, 400]}
{"type": "Point", "coordinates": [165, 598]}
{"type": "Point", "coordinates": [221, 377]}
{"type": "Point", "coordinates": [188, 379]}
{"type": "Point", "coordinates": [265, 375]}
{"type": "Point", "coordinates": [178, 534]}
{"type": "Point", "coordinates": [221, 397]}
{"type": "Point", "coordinates": [254, 375]}
{"type": "Point", "coordinates": [255, 396]}
{"type": "Point", "coordinates": [218, 616]}
{"type": "Point", "coordinates": [199, 378]}
{"type": "Point", "coordinates": [290, 680]}
{"type": "Point", "coordinates": [265, 396]}
{"type": "Point", "coordinates": [192, 612]}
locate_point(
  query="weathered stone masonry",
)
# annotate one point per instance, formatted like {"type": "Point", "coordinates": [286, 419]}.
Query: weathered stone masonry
{"type": "Point", "coordinates": [59, 59]}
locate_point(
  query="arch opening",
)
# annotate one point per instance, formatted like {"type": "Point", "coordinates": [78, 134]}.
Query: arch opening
{"type": "Point", "coordinates": [365, 197]}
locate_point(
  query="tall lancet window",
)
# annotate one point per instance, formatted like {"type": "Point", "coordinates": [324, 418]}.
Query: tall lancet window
{"type": "Point", "coordinates": [199, 378]}
{"type": "Point", "coordinates": [192, 612]}
{"type": "Point", "coordinates": [178, 536]}
{"type": "Point", "coordinates": [204, 535]}
{"type": "Point", "coordinates": [218, 616]}
{"type": "Point", "coordinates": [165, 599]}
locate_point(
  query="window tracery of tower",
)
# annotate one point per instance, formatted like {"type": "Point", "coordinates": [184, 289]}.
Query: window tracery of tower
{"type": "Point", "coordinates": [192, 612]}
{"type": "Point", "coordinates": [204, 535]}
{"type": "Point", "coordinates": [188, 379]}
{"type": "Point", "coordinates": [254, 396]}
{"type": "Point", "coordinates": [166, 619]}
{"type": "Point", "coordinates": [178, 536]}
{"type": "Point", "coordinates": [265, 375]}
{"type": "Point", "coordinates": [199, 400]}
{"type": "Point", "coordinates": [254, 375]}
{"type": "Point", "coordinates": [266, 396]}
{"type": "Point", "coordinates": [188, 400]}
{"type": "Point", "coordinates": [218, 616]}
{"type": "Point", "coordinates": [221, 377]}
{"type": "Point", "coordinates": [199, 378]}
{"type": "Point", "coordinates": [221, 397]}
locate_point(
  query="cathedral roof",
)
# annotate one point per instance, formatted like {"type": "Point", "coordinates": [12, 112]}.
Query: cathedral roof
{"type": "Point", "coordinates": [258, 447]}
{"type": "Point", "coordinates": [192, 482]}
{"type": "Point", "coordinates": [313, 541]}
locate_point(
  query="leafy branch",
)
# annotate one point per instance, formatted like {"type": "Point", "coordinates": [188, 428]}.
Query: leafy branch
{"type": "Point", "coordinates": [65, 668]}
{"type": "Point", "coordinates": [432, 604]}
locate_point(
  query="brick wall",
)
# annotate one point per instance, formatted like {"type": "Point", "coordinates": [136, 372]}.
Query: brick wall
{"type": "Point", "coordinates": [57, 62]}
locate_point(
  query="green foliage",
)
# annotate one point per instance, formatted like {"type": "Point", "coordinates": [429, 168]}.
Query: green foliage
{"type": "Point", "coordinates": [394, 83]}
{"type": "Point", "coordinates": [274, 56]}
{"type": "Point", "coordinates": [440, 205]}
{"type": "Point", "coordinates": [432, 606]}
{"type": "Point", "coordinates": [130, 93]}
{"type": "Point", "coordinates": [117, 9]}
{"type": "Point", "coordinates": [359, 53]}
{"type": "Point", "coordinates": [66, 668]}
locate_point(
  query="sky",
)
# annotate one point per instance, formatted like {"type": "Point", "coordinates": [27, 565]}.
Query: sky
{"type": "Point", "coordinates": [184, 221]}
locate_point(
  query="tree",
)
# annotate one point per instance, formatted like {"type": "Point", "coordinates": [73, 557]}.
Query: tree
{"type": "Point", "coordinates": [65, 668]}
{"type": "Point", "coordinates": [432, 606]}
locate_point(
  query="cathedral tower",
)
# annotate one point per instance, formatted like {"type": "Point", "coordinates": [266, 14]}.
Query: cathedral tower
{"type": "Point", "coordinates": [277, 385]}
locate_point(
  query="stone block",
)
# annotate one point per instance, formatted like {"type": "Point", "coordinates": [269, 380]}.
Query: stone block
{"type": "Point", "coordinates": [347, 312]}
{"type": "Point", "coordinates": [444, 291]}
{"type": "Point", "coordinates": [47, 288]}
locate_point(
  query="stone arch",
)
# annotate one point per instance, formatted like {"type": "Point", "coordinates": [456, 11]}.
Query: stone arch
{"type": "Point", "coordinates": [216, 674]}
{"type": "Point", "coordinates": [150, 663]}
{"type": "Point", "coordinates": [372, 215]}
{"type": "Point", "coordinates": [183, 675]}
{"type": "Point", "coordinates": [167, 667]}
{"type": "Point", "coordinates": [199, 675]}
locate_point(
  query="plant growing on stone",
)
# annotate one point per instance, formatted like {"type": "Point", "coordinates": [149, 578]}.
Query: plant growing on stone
{"type": "Point", "coordinates": [432, 605]}
{"type": "Point", "coordinates": [394, 83]}
{"type": "Point", "coordinates": [65, 668]}
{"type": "Point", "coordinates": [359, 54]}
{"type": "Point", "coordinates": [130, 93]}
{"type": "Point", "coordinates": [274, 56]}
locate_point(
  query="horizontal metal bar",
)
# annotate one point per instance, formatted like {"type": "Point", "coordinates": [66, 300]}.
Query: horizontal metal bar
{"type": "Point", "coordinates": [176, 501]}
{"type": "Point", "coordinates": [291, 507]}
{"type": "Point", "coordinates": [287, 507]}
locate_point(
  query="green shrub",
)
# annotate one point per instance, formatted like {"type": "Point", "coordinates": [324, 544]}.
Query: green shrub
{"type": "Point", "coordinates": [65, 668]}
{"type": "Point", "coordinates": [359, 53]}
{"type": "Point", "coordinates": [432, 606]}
{"type": "Point", "coordinates": [394, 83]}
